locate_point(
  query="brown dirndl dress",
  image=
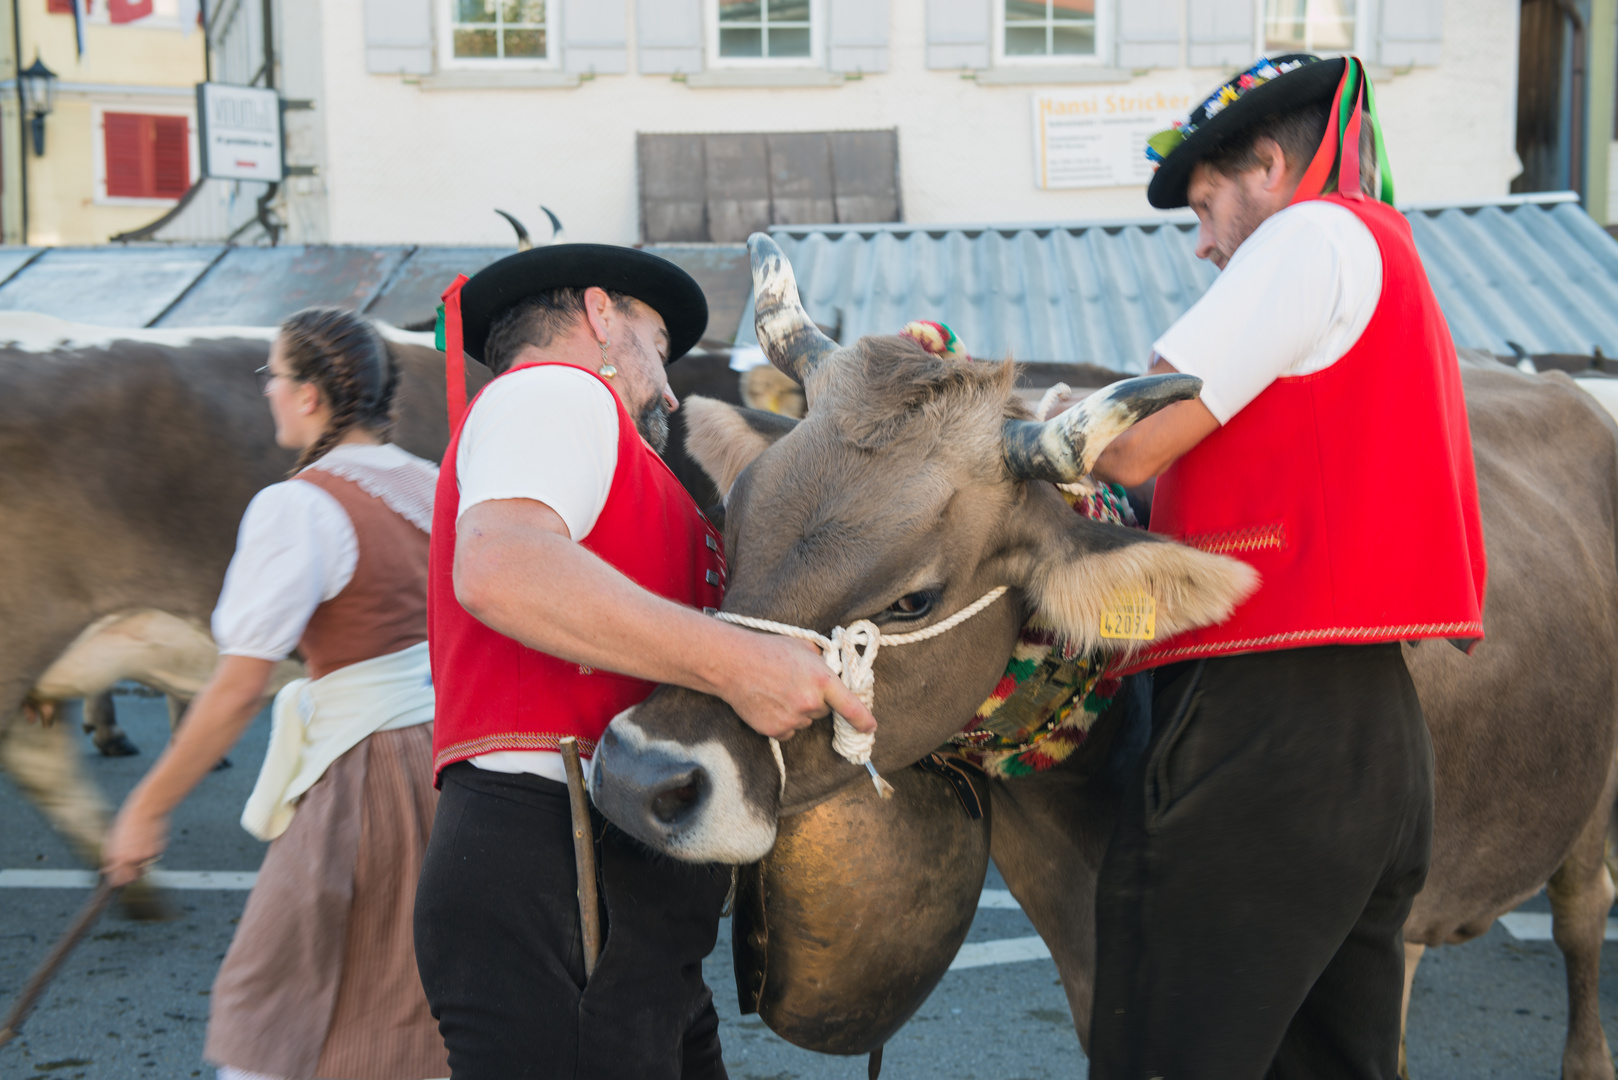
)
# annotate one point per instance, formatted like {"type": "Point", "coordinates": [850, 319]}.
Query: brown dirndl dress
{"type": "Point", "coordinates": [320, 980]}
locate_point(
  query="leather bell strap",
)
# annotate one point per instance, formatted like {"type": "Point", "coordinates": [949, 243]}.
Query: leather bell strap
{"type": "Point", "coordinates": [450, 340]}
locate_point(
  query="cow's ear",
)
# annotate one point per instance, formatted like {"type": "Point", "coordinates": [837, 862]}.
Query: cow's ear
{"type": "Point", "coordinates": [1091, 574]}
{"type": "Point", "coordinates": [724, 439]}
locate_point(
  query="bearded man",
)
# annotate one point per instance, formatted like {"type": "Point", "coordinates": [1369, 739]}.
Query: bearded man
{"type": "Point", "coordinates": [1252, 899]}
{"type": "Point", "coordinates": [568, 576]}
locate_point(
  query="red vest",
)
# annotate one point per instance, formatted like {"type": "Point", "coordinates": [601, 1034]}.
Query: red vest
{"type": "Point", "coordinates": [1351, 490]}
{"type": "Point", "coordinates": [497, 694]}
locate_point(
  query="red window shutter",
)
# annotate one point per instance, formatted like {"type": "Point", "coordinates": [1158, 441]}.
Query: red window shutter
{"type": "Point", "coordinates": [171, 157]}
{"type": "Point", "coordinates": [59, 7]}
{"type": "Point", "coordinates": [128, 143]}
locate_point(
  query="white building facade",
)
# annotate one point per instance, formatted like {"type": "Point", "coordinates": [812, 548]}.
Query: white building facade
{"type": "Point", "coordinates": [414, 120]}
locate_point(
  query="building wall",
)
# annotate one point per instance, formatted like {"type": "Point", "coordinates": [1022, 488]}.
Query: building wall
{"type": "Point", "coordinates": [133, 68]}
{"type": "Point", "coordinates": [410, 163]}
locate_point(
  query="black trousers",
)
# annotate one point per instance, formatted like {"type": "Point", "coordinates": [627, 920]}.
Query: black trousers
{"type": "Point", "coordinates": [501, 952]}
{"type": "Point", "coordinates": [1251, 902]}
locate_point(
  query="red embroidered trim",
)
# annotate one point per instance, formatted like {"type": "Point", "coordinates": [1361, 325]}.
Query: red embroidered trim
{"type": "Point", "coordinates": [1251, 539]}
{"type": "Point", "coordinates": [511, 740]}
{"type": "Point", "coordinates": [1345, 634]}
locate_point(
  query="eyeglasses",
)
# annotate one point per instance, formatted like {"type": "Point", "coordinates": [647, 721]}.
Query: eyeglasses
{"type": "Point", "coordinates": [265, 376]}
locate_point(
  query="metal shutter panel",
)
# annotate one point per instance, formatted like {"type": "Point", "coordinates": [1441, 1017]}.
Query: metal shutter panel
{"type": "Point", "coordinates": [958, 33]}
{"type": "Point", "coordinates": [1149, 33]}
{"type": "Point", "coordinates": [398, 37]}
{"type": "Point", "coordinates": [668, 36]}
{"type": "Point", "coordinates": [171, 156]}
{"type": "Point", "coordinates": [595, 36]}
{"type": "Point", "coordinates": [1222, 33]}
{"type": "Point", "coordinates": [1412, 33]}
{"type": "Point", "coordinates": [859, 35]}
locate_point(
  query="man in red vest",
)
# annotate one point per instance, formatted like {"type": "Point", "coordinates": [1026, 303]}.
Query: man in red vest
{"type": "Point", "coordinates": [568, 576]}
{"type": "Point", "coordinates": [1252, 900]}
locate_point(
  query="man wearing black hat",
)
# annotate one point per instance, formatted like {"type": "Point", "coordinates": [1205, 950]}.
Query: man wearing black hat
{"type": "Point", "coordinates": [1252, 900]}
{"type": "Point", "coordinates": [568, 574]}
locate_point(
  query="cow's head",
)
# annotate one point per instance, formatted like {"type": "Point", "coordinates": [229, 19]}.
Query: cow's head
{"type": "Point", "coordinates": [914, 485]}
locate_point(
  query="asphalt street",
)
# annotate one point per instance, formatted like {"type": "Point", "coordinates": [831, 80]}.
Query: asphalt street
{"type": "Point", "coordinates": [133, 1001]}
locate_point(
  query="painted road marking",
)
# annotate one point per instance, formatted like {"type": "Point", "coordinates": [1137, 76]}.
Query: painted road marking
{"type": "Point", "coordinates": [998, 898]}
{"type": "Point", "coordinates": [1004, 951]}
{"type": "Point", "coordinates": [1536, 926]}
{"type": "Point", "coordinates": [232, 880]}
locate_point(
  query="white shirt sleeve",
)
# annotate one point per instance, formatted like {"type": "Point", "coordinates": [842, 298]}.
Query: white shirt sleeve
{"type": "Point", "coordinates": [1293, 300]}
{"type": "Point", "coordinates": [549, 434]}
{"type": "Point", "coordinates": [296, 549]}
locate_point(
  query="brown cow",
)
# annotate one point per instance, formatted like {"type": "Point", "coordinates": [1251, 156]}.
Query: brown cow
{"type": "Point", "coordinates": [895, 487]}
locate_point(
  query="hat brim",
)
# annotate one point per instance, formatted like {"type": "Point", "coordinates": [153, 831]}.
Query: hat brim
{"type": "Point", "coordinates": [655, 281]}
{"type": "Point", "coordinates": [1306, 85]}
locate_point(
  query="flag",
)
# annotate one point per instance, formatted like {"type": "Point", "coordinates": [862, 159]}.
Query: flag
{"type": "Point", "coordinates": [78, 25]}
{"type": "Point", "coordinates": [127, 11]}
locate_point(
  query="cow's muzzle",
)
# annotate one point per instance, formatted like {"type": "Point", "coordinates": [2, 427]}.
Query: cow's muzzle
{"type": "Point", "coordinates": [684, 801]}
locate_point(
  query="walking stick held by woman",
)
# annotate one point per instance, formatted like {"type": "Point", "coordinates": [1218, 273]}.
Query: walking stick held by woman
{"type": "Point", "coordinates": [46, 971]}
{"type": "Point", "coordinates": [584, 853]}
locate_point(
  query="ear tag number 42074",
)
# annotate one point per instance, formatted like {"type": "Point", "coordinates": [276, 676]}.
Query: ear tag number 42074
{"type": "Point", "coordinates": [1131, 616]}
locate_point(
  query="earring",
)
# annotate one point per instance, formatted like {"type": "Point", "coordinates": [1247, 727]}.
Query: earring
{"type": "Point", "coordinates": [606, 371]}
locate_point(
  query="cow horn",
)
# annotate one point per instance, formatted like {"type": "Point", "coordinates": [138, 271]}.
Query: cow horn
{"type": "Point", "coordinates": [1065, 447]}
{"type": "Point", "coordinates": [787, 334]}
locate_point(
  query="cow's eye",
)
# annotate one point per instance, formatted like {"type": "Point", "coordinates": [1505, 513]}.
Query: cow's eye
{"type": "Point", "coordinates": [912, 605]}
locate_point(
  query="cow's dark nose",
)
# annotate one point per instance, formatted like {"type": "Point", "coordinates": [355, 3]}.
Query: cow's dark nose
{"type": "Point", "coordinates": [651, 792]}
{"type": "Point", "coordinates": [673, 801]}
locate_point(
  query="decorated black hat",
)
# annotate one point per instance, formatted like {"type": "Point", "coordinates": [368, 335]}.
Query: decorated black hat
{"type": "Point", "coordinates": [1272, 85]}
{"type": "Point", "coordinates": [471, 306]}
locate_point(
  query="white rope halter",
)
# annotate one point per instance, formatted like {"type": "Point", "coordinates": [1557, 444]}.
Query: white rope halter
{"type": "Point", "coordinates": [850, 652]}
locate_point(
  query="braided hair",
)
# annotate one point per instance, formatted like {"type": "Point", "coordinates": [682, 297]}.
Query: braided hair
{"type": "Point", "coordinates": [345, 358]}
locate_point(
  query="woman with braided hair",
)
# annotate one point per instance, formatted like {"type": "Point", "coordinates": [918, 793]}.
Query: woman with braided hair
{"type": "Point", "coordinates": [320, 980]}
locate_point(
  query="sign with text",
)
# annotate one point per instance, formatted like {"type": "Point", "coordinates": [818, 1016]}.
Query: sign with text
{"type": "Point", "coordinates": [239, 132]}
{"type": "Point", "coordinates": [1097, 138]}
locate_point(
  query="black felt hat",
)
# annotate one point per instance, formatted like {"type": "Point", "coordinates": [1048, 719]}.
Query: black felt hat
{"type": "Point", "coordinates": [1221, 118]}
{"type": "Point", "coordinates": [654, 281]}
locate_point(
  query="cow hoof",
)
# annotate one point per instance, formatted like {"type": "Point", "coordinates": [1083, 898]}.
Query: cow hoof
{"type": "Point", "coordinates": [116, 746]}
{"type": "Point", "coordinates": [141, 901]}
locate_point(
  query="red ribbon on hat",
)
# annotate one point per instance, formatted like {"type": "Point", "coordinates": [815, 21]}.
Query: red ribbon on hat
{"type": "Point", "coordinates": [1348, 174]}
{"type": "Point", "coordinates": [454, 354]}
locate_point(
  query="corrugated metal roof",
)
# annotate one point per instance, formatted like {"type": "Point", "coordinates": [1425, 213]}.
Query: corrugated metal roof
{"type": "Point", "coordinates": [121, 286]}
{"type": "Point", "coordinates": [411, 295]}
{"type": "Point", "coordinates": [253, 286]}
{"type": "Point", "coordinates": [1537, 271]}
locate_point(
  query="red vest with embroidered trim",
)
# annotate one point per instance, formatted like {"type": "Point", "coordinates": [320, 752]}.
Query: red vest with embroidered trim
{"type": "Point", "coordinates": [495, 693]}
{"type": "Point", "coordinates": [1351, 490]}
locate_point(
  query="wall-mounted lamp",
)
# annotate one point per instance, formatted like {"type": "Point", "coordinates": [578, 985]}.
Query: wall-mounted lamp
{"type": "Point", "coordinates": [39, 95]}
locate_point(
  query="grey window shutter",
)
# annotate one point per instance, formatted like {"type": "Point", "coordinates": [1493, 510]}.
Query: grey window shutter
{"type": "Point", "coordinates": [595, 36]}
{"type": "Point", "coordinates": [1222, 33]}
{"type": "Point", "coordinates": [1411, 33]}
{"type": "Point", "coordinates": [859, 35]}
{"type": "Point", "coordinates": [669, 36]}
{"type": "Point", "coordinates": [958, 33]}
{"type": "Point", "coordinates": [1149, 33]}
{"type": "Point", "coordinates": [399, 37]}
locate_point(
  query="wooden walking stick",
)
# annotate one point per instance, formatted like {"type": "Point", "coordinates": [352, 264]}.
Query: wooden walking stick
{"type": "Point", "coordinates": [584, 852]}
{"type": "Point", "coordinates": [46, 971]}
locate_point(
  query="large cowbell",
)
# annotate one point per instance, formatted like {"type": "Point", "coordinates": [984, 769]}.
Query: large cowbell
{"type": "Point", "coordinates": [847, 925]}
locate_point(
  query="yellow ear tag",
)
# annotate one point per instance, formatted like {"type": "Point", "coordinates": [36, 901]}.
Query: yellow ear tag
{"type": "Point", "coordinates": [1131, 616]}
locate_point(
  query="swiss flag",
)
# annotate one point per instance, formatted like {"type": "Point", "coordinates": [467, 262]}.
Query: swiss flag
{"type": "Point", "coordinates": [127, 11]}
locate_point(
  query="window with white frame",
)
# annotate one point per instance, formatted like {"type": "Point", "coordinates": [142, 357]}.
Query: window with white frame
{"type": "Point", "coordinates": [1047, 30]}
{"type": "Point", "coordinates": [749, 32]}
{"type": "Point", "coordinates": [1317, 26]}
{"type": "Point", "coordinates": [481, 31]}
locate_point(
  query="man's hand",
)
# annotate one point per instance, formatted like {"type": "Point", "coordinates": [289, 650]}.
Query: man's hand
{"type": "Point", "coordinates": [784, 685]}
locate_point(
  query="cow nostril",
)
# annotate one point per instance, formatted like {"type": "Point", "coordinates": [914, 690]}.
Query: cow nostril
{"type": "Point", "coordinates": [676, 799]}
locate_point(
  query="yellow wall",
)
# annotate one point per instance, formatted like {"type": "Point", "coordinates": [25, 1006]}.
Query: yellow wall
{"type": "Point", "coordinates": [62, 207]}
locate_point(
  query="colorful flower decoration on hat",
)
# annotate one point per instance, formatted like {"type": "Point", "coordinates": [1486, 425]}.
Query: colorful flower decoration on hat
{"type": "Point", "coordinates": [936, 338]}
{"type": "Point", "coordinates": [1164, 143]}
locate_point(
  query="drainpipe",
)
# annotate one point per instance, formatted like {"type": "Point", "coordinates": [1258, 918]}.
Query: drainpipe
{"type": "Point", "coordinates": [22, 119]}
{"type": "Point", "coordinates": [1575, 140]}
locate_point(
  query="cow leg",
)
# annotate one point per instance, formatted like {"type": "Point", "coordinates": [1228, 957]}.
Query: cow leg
{"type": "Point", "coordinates": [1581, 894]}
{"type": "Point", "coordinates": [1413, 954]}
{"type": "Point", "coordinates": [101, 724]}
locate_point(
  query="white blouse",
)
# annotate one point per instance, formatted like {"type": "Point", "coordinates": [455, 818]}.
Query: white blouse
{"type": "Point", "coordinates": [296, 549]}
